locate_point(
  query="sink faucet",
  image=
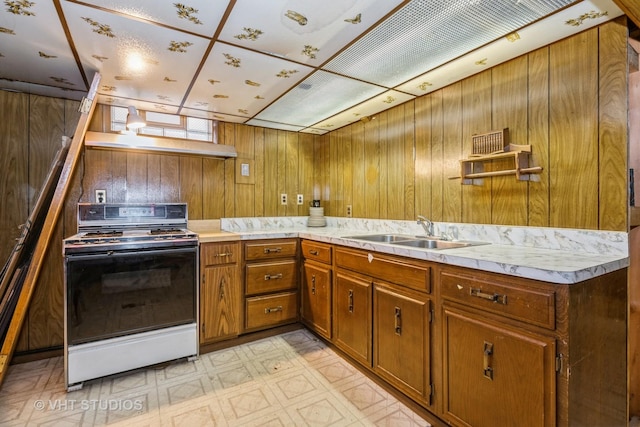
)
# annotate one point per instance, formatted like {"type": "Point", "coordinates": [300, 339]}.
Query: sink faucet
{"type": "Point", "coordinates": [426, 224]}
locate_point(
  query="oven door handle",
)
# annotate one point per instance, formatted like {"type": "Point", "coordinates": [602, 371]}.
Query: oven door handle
{"type": "Point", "coordinates": [98, 255]}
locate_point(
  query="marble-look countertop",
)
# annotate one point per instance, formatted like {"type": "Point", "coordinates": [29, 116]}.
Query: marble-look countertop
{"type": "Point", "coordinates": [562, 256]}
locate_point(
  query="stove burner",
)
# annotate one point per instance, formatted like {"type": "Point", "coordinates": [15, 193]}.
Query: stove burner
{"type": "Point", "coordinates": [103, 234]}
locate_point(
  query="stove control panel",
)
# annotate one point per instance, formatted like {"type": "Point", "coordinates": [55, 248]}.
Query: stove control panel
{"type": "Point", "coordinates": [122, 213]}
{"type": "Point", "coordinates": [137, 211]}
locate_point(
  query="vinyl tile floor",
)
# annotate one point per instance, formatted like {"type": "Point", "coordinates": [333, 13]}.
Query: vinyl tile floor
{"type": "Point", "coordinates": [292, 379]}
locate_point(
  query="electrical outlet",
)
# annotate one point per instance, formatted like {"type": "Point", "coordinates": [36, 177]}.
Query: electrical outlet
{"type": "Point", "coordinates": [101, 196]}
{"type": "Point", "coordinates": [300, 199]}
{"type": "Point", "coordinates": [348, 211]}
{"type": "Point", "coordinates": [283, 198]}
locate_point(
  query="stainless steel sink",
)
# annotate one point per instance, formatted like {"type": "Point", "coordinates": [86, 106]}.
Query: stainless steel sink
{"type": "Point", "coordinates": [414, 241]}
{"type": "Point", "coordinates": [433, 244]}
{"type": "Point", "coordinates": [382, 238]}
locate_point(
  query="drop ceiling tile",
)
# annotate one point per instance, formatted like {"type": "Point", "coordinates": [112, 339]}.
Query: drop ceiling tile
{"type": "Point", "coordinates": [308, 31]}
{"type": "Point", "coordinates": [365, 110]}
{"type": "Point", "coordinates": [139, 104]}
{"type": "Point", "coordinates": [195, 16]}
{"type": "Point", "coordinates": [34, 48]}
{"type": "Point", "coordinates": [137, 60]}
{"type": "Point", "coordinates": [314, 131]}
{"type": "Point", "coordinates": [242, 82]}
{"type": "Point", "coordinates": [272, 125]}
{"type": "Point", "coordinates": [193, 112]}
{"type": "Point", "coordinates": [320, 95]}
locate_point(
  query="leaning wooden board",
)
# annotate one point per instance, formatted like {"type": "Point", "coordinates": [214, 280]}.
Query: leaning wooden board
{"type": "Point", "coordinates": [21, 251]}
{"type": "Point", "coordinates": [53, 213]}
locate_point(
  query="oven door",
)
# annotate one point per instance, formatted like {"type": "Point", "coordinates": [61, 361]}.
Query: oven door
{"type": "Point", "coordinates": [121, 293]}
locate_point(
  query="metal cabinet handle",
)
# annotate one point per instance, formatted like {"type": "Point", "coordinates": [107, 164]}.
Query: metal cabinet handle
{"type": "Point", "coordinates": [313, 284]}
{"type": "Point", "coordinates": [350, 300]}
{"type": "Point", "coordinates": [224, 254]}
{"type": "Point", "coordinates": [497, 298]}
{"type": "Point", "coordinates": [272, 309]}
{"type": "Point", "coordinates": [487, 352]}
{"type": "Point", "coordinates": [269, 250]}
{"type": "Point", "coordinates": [272, 276]}
{"type": "Point", "coordinates": [398, 321]}
{"type": "Point", "coordinates": [313, 252]}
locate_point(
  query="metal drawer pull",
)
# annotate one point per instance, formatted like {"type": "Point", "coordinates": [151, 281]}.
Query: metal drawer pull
{"type": "Point", "coordinates": [398, 321]}
{"type": "Point", "coordinates": [312, 252]}
{"type": "Point", "coordinates": [272, 309]}
{"type": "Point", "coordinates": [224, 254]}
{"type": "Point", "coordinates": [350, 300]}
{"type": "Point", "coordinates": [487, 352]}
{"type": "Point", "coordinates": [272, 276]}
{"type": "Point", "coordinates": [501, 299]}
{"type": "Point", "coordinates": [269, 250]}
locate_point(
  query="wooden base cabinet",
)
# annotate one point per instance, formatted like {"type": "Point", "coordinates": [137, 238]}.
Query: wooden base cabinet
{"type": "Point", "coordinates": [382, 317]}
{"type": "Point", "coordinates": [316, 289]}
{"type": "Point", "coordinates": [496, 375]}
{"type": "Point", "coordinates": [220, 294]}
{"type": "Point", "coordinates": [522, 352]}
{"type": "Point", "coordinates": [352, 314]}
{"type": "Point", "coordinates": [401, 339]}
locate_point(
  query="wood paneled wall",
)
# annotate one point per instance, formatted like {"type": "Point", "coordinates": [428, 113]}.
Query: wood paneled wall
{"type": "Point", "coordinates": [568, 100]}
{"type": "Point", "coordinates": [280, 162]}
{"type": "Point", "coordinates": [30, 135]}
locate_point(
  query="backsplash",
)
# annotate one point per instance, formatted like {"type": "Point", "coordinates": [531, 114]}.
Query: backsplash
{"type": "Point", "coordinates": [575, 240]}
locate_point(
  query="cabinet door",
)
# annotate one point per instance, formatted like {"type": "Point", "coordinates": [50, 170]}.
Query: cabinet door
{"type": "Point", "coordinates": [352, 316]}
{"type": "Point", "coordinates": [219, 303]}
{"type": "Point", "coordinates": [401, 339]}
{"type": "Point", "coordinates": [496, 375]}
{"type": "Point", "coordinates": [316, 298]}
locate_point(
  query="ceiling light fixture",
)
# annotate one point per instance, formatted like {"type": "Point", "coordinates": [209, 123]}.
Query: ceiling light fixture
{"type": "Point", "coordinates": [134, 121]}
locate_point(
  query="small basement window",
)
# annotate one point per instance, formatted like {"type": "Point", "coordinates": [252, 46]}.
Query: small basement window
{"type": "Point", "coordinates": [167, 125]}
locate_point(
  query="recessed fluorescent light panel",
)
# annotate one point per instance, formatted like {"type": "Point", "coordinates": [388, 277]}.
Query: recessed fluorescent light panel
{"type": "Point", "coordinates": [320, 95]}
{"type": "Point", "coordinates": [428, 33]}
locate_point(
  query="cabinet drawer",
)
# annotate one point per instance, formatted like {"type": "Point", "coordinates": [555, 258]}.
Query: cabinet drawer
{"type": "Point", "coordinates": [390, 269]}
{"type": "Point", "coordinates": [271, 310]}
{"type": "Point", "coordinates": [317, 251]}
{"type": "Point", "coordinates": [268, 250]}
{"type": "Point", "coordinates": [270, 277]}
{"type": "Point", "coordinates": [535, 306]}
{"type": "Point", "coordinates": [219, 253]}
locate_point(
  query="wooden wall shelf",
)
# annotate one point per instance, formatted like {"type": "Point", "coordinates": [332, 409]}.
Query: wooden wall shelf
{"type": "Point", "coordinates": [473, 167]}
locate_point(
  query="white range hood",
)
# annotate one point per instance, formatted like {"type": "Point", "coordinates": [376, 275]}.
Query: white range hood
{"type": "Point", "coordinates": [134, 142]}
